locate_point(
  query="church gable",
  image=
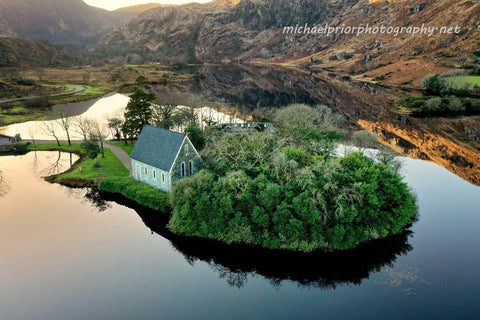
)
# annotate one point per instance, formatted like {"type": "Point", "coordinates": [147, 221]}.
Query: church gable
{"type": "Point", "coordinates": [162, 157]}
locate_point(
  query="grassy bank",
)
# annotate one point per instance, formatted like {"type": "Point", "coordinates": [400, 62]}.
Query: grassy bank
{"type": "Point", "coordinates": [84, 170]}
{"type": "Point", "coordinates": [75, 147]}
{"type": "Point", "coordinates": [138, 192]}
{"type": "Point", "coordinates": [89, 93]}
{"type": "Point", "coordinates": [82, 173]}
{"type": "Point", "coordinates": [112, 176]}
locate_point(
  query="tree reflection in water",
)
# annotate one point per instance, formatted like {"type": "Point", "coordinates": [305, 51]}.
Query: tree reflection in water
{"type": "Point", "coordinates": [236, 263]}
{"type": "Point", "coordinates": [54, 167]}
{"type": "Point", "coordinates": [4, 188]}
{"type": "Point", "coordinates": [92, 196]}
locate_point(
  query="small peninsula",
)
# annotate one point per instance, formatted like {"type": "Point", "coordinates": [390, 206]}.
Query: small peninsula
{"type": "Point", "coordinates": [286, 189]}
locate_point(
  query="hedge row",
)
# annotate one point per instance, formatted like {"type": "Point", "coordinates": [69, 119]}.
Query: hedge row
{"type": "Point", "coordinates": [138, 192]}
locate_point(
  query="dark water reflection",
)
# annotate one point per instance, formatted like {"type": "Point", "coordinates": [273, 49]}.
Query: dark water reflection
{"type": "Point", "coordinates": [235, 263]}
{"type": "Point", "coordinates": [450, 143]}
{"type": "Point", "coordinates": [77, 254]}
{"type": "Point", "coordinates": [248, 87]}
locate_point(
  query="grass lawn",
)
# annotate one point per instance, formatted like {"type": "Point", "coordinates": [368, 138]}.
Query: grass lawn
{"type": "Point", "coordinates": [89, 90]}
{"type": "Point", "coordinates": [83, 169]}
{"type": "Point", "coordinates": [111, 166]}
{"type": "Point", "coordinates": [128, 148]}
{"type": "Point", "coordinates": [75, 147]}
{"type": "Point", "coordinates": [462, 80]}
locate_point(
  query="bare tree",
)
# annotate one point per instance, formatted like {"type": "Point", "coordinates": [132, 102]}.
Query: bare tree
{"type": "Point", "coordinates": [162, 115]}
{"type": "Point", "coordinates": [65, 122]}
{"type": "Point", "coordinates": [31, 133]}
{"type": "Point", "coordinates": [82, 126]}
{"type": "Point", "coordinates": [50, 128]}
{"type": "Point", "coordinates": [364, 139]}
{"type": "Point", "coordinates": [188, 115]}
{"type": "Point", "coordinates": [99, 134]}
{"type": "Point", "coordinates": [302, 116]}
{"type": "Point", "coordinates": [54, 167]}
{"type": "Point", "coordinates": [388, 156]}
{"type": "Point", "coordinates": [218, 108]}
{"type": "Point", "coordinates": [207, 117]}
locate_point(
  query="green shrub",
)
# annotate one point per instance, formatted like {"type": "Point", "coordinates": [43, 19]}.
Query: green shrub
{"type": "Point", "coordinates": [20, 147]}
{"type": "Point", "coordinates": [467, 66]}
{"type": "Point", "coordinates": [434, 85]}
{"type": "Point", "coordinates": [334, 205]}
{"type": "Point", "coordinates": [24, 82]}
{"type": "Point", "coordinates": [138, 192]}
{"type": "Point", "coordinates": [475, 106]}
{"type": "Point", "coordinates": [412, 102]}
{"type": "Point", "coordinates": [38, 102]}
{"type": "Point", "coordinates": [455, 106]}
{"type": "Point", "coordinates": [432, 105]}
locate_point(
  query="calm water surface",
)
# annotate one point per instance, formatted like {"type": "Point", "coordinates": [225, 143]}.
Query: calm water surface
{"type": "Point", "coordinates": [99, 109]}
{"type": "Point", "coordinates": [69, 254]}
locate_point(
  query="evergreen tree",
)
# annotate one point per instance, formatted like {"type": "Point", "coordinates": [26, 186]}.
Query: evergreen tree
{"type": "Point", "coordinates": [196, 136]}
{"type": "Point", "coordinates": [139, 112]}
{"type": "Point", "coordinates": [434, 86]}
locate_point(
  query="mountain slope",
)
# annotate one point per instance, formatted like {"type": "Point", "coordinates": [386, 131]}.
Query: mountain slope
{"type": "Point", "coordinates": [58, 21]}
{"type": "Point", "coordinates": [138, 8]}
{"type": "Point", "coordinates": [27, 53]}
{"type": "Point", "coordinates": [252, 30]}
{"type": "Point", "coordinates": [166, 33]}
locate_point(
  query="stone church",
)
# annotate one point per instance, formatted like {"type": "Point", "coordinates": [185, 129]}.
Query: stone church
{"type": "Point", "coordinates": [162, 157]}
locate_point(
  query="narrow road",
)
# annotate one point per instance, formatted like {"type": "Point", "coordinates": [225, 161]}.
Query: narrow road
{"type": "Point", "coordinates": [75, 90]}
{"type": "Point", "coordinates": [121, 155]}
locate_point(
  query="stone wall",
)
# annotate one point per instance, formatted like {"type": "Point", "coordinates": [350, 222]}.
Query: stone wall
{"type": "Point", "coordinates": [186, 156]}
{"type": "Point", "coordinates": [152, 176]}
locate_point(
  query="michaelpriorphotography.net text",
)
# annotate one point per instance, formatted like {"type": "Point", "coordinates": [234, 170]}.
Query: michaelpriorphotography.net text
{"type": "Point", "coordinates": [395, 31]}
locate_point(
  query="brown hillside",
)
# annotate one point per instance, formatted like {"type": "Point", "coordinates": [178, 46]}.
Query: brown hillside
{"type": "Point", "coordinates": [25, 53]}
{"type": "Point", "coordinates": [252, 31]}
{"type": "Point", "coordinates": [139, 8]}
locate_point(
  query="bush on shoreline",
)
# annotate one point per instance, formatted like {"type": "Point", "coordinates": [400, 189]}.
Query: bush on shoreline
{"type": "Point", "coordinates": [332, 205]}
{"type": "Point", "coordinates": [441, 106]}
{"type": "Point", "coordinates": [136, 191]}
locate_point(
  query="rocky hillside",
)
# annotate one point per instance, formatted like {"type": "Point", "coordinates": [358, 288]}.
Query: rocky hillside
{"type": "Point", "coordinates": [138, 8]}
{"type": "Point", "coordinates": [27, 53]}
{"type": "Point", "coordinates": [59, 21]}
{"type": "Point", "coordinates": [252, 30]}
{"type": "Point", "coordinates": [165, 33]}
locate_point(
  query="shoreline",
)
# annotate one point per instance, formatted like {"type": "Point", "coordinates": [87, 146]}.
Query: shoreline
{"type": "Point", "coordinates": [75, 182]}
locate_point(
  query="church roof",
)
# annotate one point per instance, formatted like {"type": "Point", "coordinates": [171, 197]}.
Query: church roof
{"type": "Point", "coordinates": [157, 147]}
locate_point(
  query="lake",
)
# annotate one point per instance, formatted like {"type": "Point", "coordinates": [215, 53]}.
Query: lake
{"type": "Point", "coordinates": [98, 109]}
{"type": "Point", "coordinates": [243, 88]}
{"type": "Point", "coordinates": [73, 254]}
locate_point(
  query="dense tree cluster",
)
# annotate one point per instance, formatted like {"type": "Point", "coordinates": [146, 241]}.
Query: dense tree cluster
{"type": "Point", "coordinates": [286, 189]}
